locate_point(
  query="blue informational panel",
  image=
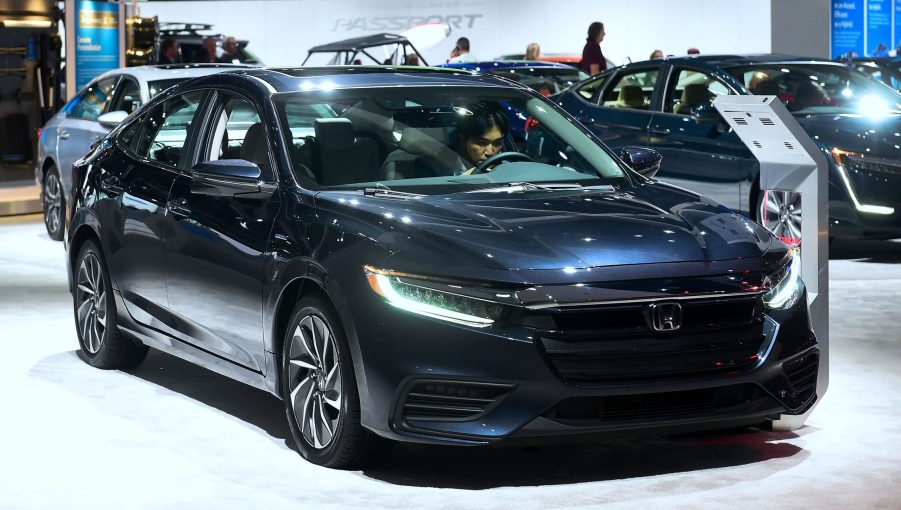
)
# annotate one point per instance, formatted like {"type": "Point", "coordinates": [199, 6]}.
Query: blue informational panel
{"type": "Point", "coordinates": [879, 27]}
{"type": "Point", "coordinates": [847, 27]}
{"type": "Point", "coordinates": [897, 33]}
{"type": "Point", "coordinates": [96, 40]}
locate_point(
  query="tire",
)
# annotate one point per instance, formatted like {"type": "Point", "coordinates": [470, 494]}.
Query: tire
{"type": "Point", "coordinates": [54, 204]}
{"type": "Point", "coordinates": [322, 403]}
{"type": "Point", "coordinates": [102, 344]}
{"type": "Point", "coordinates": [780, 213]}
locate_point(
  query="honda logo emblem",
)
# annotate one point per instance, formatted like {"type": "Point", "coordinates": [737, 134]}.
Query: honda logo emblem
{"type": "Point", "coordinates": [666, 316]}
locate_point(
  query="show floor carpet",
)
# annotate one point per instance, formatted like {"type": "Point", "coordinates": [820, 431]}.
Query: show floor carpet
{"type": "Point", "coordinates": [172, 435]}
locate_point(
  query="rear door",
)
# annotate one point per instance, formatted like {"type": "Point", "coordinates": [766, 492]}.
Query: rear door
{"type": "Point", "coordinates": [216, 253]}
{"type": "Point", "coordinates": [699, 151]}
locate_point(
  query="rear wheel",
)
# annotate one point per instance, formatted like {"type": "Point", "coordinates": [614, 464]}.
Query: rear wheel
{"type": "Point", "coordinates": [101, 342]}
{"type": "Point", "coordinates": [54, 204]}
{"type": "Point", "coordinates": [321, 399]}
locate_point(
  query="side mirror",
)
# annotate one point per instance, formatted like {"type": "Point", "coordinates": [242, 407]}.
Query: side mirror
{"type": "Point", "coordinates": [228, 178]}
{"type": "Point", "coordinates": [642, 160]}
{"type": "Point", "coordinates": [109, 120]}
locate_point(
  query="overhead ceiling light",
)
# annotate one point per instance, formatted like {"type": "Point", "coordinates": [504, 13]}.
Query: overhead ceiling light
{"type": "Point", "coordinates": [26, 23]}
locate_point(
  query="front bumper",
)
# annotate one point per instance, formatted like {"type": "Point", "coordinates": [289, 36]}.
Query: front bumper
{"type": "Point", "coordinates": [431, 381]}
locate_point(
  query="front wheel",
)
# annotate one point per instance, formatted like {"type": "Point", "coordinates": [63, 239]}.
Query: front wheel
{"type": "Point", "coordinates": [320, 393]}
{"type": "Point", "coordinates": [54, 204]}
{"type": "Point", "coordinates": [780, 213]}
{"type": "Point", "coordinates": [101, 342]}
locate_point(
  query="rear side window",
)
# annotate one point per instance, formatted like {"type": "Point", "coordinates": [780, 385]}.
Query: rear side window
{"type": "Point", "coordinates": [94, 100]}
{"type": "Point", "coordinates": [166, 129]}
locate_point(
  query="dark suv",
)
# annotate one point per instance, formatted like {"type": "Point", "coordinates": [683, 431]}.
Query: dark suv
{"type": "Point", "coordinates": [666, 104]}
{"type": "Point", "coordinates": [368, 245]}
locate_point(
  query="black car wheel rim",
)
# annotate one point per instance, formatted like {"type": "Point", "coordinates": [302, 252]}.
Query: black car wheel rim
{"type": "Point", "coordinates": [780, 213]}
{"type": "Point", "coordinates": [52, 202]}
{"type": "Point", "coordinates": [90, 302]}
{"type": "Point", "coordinates": [314, 377]}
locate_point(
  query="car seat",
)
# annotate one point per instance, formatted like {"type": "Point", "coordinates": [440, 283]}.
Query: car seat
{"type": "Point", "coordinates": [339, 157]}
{"type": "Point", "coordinates": [256, 149]}
{"type": "Point", "coordinates": [417, 144]}
{"type": "Point", "coordinates": [693, 95]}
{"type": "Point", "coordinates": [630, 96]}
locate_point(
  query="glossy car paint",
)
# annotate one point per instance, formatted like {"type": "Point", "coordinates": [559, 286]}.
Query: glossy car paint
{"type": "Point", "coordinates": [213, 279]}
{"type": "Point", "coordinates": [698, 153]}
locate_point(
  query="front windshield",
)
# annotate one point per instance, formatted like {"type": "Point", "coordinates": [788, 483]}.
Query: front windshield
{"type": "Point", "coordinates": [547, 81]}
{"type": "Point", "coordinates": [437, 140]}
{"type": "Point", "coordinates": [820, 88]}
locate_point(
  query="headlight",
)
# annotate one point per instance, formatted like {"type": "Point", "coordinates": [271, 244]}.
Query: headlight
{"type": "Point", "coordinates": [405, 292]}
{"type": "Point", "coordinates": [785, 284]}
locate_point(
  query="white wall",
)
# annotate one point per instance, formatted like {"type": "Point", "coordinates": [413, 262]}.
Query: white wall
{"type": "Point", "coordinates": [280, 31]}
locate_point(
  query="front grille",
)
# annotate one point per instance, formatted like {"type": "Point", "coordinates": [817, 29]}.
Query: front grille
{"type": "Point", "coordinates": [616, 343]}
{"type": "Point", "coordinates": [440, 400]}
{"type": "Point", "coordinates": [658, 406]}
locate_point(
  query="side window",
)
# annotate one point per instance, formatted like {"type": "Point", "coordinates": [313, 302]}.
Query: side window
{"type": "Point", "coordinates": [632, 90]}
{"type": "Point", "coordinates": [239, 134]}
{"type": "Point", "coordinates": [167, 128]}
{"type": "Point", "coordinates": [692, 90]}
{"type": "Point", "coordinates": [589, 90]}
{"type": "Point", "coordinates": [128, 96]}
{"type": "Point", "coordinates": [94, 100]}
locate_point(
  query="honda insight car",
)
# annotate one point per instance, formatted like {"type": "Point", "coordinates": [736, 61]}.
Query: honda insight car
{"type": "Point", "coordinates": [377, 253]}
{"type": "Point", "coordinates": [665, 104]}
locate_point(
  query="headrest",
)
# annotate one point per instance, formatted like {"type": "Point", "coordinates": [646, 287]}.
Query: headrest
{"type": "Point", "coordinates": [631, 95]}
{"type": "Point", "coordinates": [695, 94]}
{"type": "Point", "coordinates": [334, 133]}
{"type": "Point", "coordinates": [423, 140]}
{"type": "Point", "coordinates": [254, 148]}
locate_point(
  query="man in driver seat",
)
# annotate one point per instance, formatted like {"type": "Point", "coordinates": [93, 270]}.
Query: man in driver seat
{"type": "Point", "coordinates": [480, 134]}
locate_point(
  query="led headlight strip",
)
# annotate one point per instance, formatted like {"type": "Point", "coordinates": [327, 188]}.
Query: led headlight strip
{"type": "Point", "coordinates": [838, 156]}
{"type": "Point", "coordinates": [430, 302]}
{"type": "Point", "coordinates": [786, 284]}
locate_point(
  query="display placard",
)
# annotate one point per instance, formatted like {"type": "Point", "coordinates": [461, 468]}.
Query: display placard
{"type": "Point", "coordinates": [847, 27]}
{"type": "Point", "coordinates": [879, 27]}
{"type": "Point", "coordinates": [97, 40]}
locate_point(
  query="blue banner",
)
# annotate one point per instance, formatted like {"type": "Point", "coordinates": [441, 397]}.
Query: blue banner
{"type": "Point", "coordinates": [879, 27]}
{"type": "Point", "coordinates": [847, 28]}
{"type": "Point", "coordinates": [897, 39]}
{"type": "Point", "coordinates": [96, 40]}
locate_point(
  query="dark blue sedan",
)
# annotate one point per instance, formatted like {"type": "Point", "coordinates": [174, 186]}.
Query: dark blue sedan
{"type": "Point", "coordinates": [369, 245]}
{"type": "Point", "coordinates": [665, 104]}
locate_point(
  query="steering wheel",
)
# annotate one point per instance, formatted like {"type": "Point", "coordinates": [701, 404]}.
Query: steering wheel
{"type": "Point", "coordinates": [483, 167]}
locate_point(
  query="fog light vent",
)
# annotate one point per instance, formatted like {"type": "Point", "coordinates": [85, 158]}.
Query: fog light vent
{"type": "Point", "coordinates": [802, 371]}
{"type": "Point", "coordinates": [441, 400]}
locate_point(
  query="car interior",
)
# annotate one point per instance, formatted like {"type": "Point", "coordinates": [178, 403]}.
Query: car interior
{"type": "Point", "coordinates": [632, 91]}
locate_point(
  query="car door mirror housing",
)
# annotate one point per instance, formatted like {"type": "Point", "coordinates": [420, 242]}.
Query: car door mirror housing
{"type": "Point", "coordinates": [643, 160]}
{"type": "Point", "coordinates": [109, 120]}
{"type": "Point", "coordinates": [228, 177]}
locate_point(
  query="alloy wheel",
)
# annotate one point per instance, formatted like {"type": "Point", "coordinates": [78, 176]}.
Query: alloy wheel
{"type": "Point", "coordinates": [314, 380]}
{"type": "Point", "coordinates": [91, 302]}
{"type": "Point", "coordinates": [780, 213]}
{"type": "Point", "coordinates": [52, 202]}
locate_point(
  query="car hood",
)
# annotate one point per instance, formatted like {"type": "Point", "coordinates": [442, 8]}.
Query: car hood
{"type": "Point", "coordinates": [879, 137]}
{"type": "Point", "coordinates": [542, 229]}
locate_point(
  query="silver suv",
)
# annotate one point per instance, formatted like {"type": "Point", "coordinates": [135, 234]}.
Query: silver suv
{"type": "Point", "coordinates": [89, 116]}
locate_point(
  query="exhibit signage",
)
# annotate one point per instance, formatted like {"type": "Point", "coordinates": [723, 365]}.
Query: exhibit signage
{"type": "Point", "coordinates": [865, 27]}
{"type": "Point", "coordinates": [96, 40]}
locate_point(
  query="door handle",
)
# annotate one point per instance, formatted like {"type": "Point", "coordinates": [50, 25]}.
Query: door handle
{"type": "Point", "coordinates": [179, 207]}
{"type": "Point", "coordinates": [63, 134]}
{"type": "Point", "coordinates": [112, 184]}
{"type": "Point", "coordinates": [661, 131]}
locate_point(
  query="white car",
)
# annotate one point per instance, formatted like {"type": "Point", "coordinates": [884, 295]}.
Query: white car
{"type": "Point", "coordinates": [89, 116]}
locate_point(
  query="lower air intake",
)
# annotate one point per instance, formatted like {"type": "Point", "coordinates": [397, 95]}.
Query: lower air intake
{"type": "Point", "coordinates": [441, 400]}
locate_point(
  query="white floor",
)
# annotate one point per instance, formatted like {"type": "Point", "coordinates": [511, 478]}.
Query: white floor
{"type": "Point", "coordinates": [173, 435]}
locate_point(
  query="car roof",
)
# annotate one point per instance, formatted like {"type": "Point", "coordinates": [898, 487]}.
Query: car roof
{"type": "Point", "coordinates": [508, 64]}
{"type": "Point", "coordinates": [356, 43]}
{"type": "Point", "coordinates": [733, 60]}
{"type": "Point", "coordinates": [173, 71]}
{"type": "Point", "coordinates": [345, 77]}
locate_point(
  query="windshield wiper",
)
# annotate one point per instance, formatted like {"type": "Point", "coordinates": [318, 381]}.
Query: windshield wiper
{"type": "Point", "coordinates": [385, 190]}
{"type": "Point", "coordinates": [527, 186]}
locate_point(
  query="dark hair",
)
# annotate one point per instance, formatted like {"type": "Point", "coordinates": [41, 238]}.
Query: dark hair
{"type": "Point", "coordinates": [463, 43]}
{"type": "Point", "coordinates": [595, 29]}
{"type": "Point", "coordinates": [202, 55]}
{"type": "Point", "coordinates": [167, 43]}
{"type": "Point", "coordinates": [477, 119]}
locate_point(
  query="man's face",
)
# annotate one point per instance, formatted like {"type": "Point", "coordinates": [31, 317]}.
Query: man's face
{"type": "Point", "coordinates": [230, 45]}
{"type": "Point", "coordinates": [479, 148]}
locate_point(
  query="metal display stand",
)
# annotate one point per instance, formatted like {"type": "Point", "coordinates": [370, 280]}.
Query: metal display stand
{"type": "Point", "coordinates": [790, 161]}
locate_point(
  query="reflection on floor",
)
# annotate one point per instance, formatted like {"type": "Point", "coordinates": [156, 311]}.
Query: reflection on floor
{"type": "Point", "coordinates": [169, 433]}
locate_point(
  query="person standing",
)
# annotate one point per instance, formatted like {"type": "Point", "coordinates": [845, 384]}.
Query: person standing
{"type": "Point", "coordinates": [593, 60]}
{"type": "Point", "coordinates": [169, 52]}
{"type": "Point", "coordinates": [207, 55]}
{"type": "Point", "coordinates": [461, 54]}
{"type": "Point", "coordinates": [231, 55]}
{"type": "Point", "coordinates": [533, 51]}
{"type": "Point", "coordinates": [656, 54]}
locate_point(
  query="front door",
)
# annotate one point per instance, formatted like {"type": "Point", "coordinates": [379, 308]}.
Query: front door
{"type": "Point", "coordinates": [699, 151]}
{"type": "Point", "coordinates": [216, 253]}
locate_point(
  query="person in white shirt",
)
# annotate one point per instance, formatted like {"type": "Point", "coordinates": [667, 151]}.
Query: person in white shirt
{"type": "Point", "coordinates": [461, 54]}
